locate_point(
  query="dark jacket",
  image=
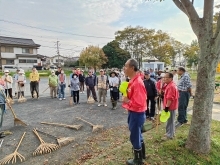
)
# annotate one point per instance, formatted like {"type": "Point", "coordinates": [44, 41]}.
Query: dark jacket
{"type": "Point", "coordinates": [150, 87]}
{"type": "Point", "coordinates": [81, 78]}
{"type": "Point", "coordinates": [90, 81]}
{"type": "Point", "coordinates": [57, 73]}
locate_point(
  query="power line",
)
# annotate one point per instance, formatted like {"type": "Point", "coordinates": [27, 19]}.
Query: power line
{"type": "Point", "coordinates": [55, 31]}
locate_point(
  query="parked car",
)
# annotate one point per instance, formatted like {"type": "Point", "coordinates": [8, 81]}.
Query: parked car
{"type": "Point", "coordinates": [53, 68]}
{"type": "Point", "coordinates": [10, 68]}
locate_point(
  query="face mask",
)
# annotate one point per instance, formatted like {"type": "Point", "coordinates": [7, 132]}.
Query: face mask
{"type": "Point", "coordinates": [53, 74]}
{"type": "Point", "coordinates": [62, 72]}
{"type": "Point", "coordinates": [74, 76]}
{"type": "Point", "coordinates": [6, 74]}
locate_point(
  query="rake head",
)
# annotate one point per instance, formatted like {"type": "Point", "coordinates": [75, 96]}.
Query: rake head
{"type": "Point", "coordinates": [45, 148]}
{"type": "Point", "coordinates": [97, 128]}
{"type": "Point", "coordinates": [22, 99]}
{"type": "Point", "coordinates": [65, 140]}
{"type": "Point", "coordinates": [12, 158]}
{"type": "Point", "coordinates": [77, 127]}
{"type": "Point", "coordinates": [19, 122]}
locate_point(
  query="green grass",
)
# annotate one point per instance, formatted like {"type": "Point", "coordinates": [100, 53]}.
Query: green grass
{"type": "Point", "coordinates": [112, 147]}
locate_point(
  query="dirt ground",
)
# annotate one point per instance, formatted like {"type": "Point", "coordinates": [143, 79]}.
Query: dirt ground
{"type": "Point", "coordinates": [46, 109]}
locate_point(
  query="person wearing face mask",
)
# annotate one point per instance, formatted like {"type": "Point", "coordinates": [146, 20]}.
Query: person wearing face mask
{"type": "Point", "coordinates": [62, 85]}
{"type": "Point", "coordinates": [15, 77]}
{"type": "Point", "coordinates": [8, 83]}
{"type": "Point", "coordinates": [53, 82]}
{"type": "Point", "coordinates": [74, 86]}
{"type": "Point", "coordinates": [34, 82]}
{"type": "Point", "coordinates": [21, 80]}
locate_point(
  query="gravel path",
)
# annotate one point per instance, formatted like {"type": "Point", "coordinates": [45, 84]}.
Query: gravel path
{"type": "Point", "coordinates": [52, 110]}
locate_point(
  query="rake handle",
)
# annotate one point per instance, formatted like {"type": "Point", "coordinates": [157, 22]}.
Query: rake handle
{"type": "Point", "coordinates": [46, 89]}
{"type": "Point", "coordinates": [20, 141]}
{"type": "Point", "coordinates": [41, 140]}
{"type": "Point", "coordinates": [47, 134]}
{"type": "Point", "coordinates": [85, 121]}
{"type": "Point", "coordinates": [9, 105]}
{"type": "Point", "coordinates": [64, 125]}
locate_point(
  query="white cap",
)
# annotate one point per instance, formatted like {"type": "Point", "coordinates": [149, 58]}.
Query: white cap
{"type": "Point", "coordinates": [21, 71]}
{"type": "Point", "coordinates": [6, 71]}
{"type": "Point", "coordinates": [162, 74]}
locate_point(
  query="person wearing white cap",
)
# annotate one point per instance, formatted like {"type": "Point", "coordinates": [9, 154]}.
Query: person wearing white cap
{"type": "Point", "coordinates": [21, 83]}
{"type": "Point", "coordinates": [8, 83]}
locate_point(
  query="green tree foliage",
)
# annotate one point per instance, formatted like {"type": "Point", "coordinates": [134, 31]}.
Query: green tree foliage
{"type": "Point", "coordinates": [93, 56]}
{"type": "Point", "coordinates": [141, 42]}
{"type": "Point", "coordinates": [116, 56]}
{"type": "Point", "coordinates": [192, 53]}
{"type": "Point", "coordinates": [135, 40]}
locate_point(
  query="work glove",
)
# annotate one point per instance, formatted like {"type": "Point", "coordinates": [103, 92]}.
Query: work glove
{"type": "Point", "coordinates": [166, 109]}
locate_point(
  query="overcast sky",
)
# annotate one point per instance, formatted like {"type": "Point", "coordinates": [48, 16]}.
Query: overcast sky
{"type": "Point", "coordinates": [79, 23]}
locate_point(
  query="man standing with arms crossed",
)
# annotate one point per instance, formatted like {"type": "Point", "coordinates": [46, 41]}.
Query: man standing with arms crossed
{"type": "Point", "coordinates": [184, 87]}
{"type": "Point", "coordinates": [135, 103]}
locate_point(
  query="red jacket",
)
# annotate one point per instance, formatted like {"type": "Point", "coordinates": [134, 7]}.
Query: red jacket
{"type": "Point", "coordinates": [137, 95]}
{"type": "Point", "coordinates": [141, 75]}
{"type": "Point", "coordinates": [160, 86]}
{"type": "Point", "coordinates": [172, 94]}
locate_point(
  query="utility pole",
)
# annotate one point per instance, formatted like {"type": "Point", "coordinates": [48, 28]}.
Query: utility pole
{"type": "Point", "coordinates": [58, 53]}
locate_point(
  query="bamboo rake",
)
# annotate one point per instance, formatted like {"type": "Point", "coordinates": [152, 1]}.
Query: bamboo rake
{"type": "Point", "coordinates": [17, 121]}
{"type": "Point", "coordinates": [62, 141]}
{"type": "Point", "coordinates": [44, 147]}
{"type": "Point", "coordinates": [13, 157]}
{"type": "Point", "coordinates": [77, 127]}
{"type": "Point", "coordinates": [94, 127]}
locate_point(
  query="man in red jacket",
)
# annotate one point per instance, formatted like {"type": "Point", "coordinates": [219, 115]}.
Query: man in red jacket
{"type": "Point", "coordinates": [170, 102]}
{"type": "Point", "coordinates": [135, 103]}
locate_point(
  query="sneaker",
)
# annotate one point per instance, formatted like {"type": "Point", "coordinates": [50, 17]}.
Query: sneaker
{"type": "Point", "coordinates": [152, 118]}
{"type": "Point", "coordinates": [60, 99]}
{"type": "Point", "coordinates": [99, 105]}
{"type": "Point", "coordinates": [105, 105]}
{"type": "Point", "coordinates": [178, 125]}
{"type": "Point", "coordinates": [80, 92]}
{"type": "Point", "coordinates": [64, 98]}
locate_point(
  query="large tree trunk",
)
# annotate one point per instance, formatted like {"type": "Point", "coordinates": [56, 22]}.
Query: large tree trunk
{"type": "Point", "coordinates": [199, 133]}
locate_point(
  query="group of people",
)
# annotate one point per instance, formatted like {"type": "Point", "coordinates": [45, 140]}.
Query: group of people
{"type": "Point", "coordinates": [145, 90]}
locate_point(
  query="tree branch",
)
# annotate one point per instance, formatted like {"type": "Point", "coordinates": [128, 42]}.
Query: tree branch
{"type": "Point", "coordinates": [180, 6]}
{"type": "Point", "coordinates": [217, 32]}
{"type": "Point", "coordinates": [190, 9]}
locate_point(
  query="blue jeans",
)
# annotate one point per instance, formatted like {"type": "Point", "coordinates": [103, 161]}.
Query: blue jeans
{"type": "Point", "coordinates": [183, 104]}
{"type": "Point", "coordinates": [135, 123]}
{"type": "Point", "coordinates": [62, 90]}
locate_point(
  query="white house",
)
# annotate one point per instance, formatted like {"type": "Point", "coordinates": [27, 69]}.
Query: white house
{"type": "Point", "coordinates": [58, 60]}
{"type": "Point", "coordinates": [152, 63]}
{"type": "Point", "coordinates": [19, 53]}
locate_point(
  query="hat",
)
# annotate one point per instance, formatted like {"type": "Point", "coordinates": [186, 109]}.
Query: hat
{"type": "Point", "coordinates": [6, 71]}
{"type": "Point", "coordinates": [146, 73]}
{"type": "Point", "coordinates": [112, 72]}
{"type": "Point", "coordinates": [162, 74]}
{"type": "Point", "coordinates": [101, 70]}
{"type": "Point", "coordinates": [21, 71]}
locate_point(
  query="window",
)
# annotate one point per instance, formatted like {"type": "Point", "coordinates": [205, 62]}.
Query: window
{"type": "Point", "coordinates": [58, 60]}
{"type": "Point", "coordinates": [7, 49]}
{"type": "Point", "coordinates": [22, 61]}
{"type": "Point", "coordinates": [10, 62]}
{"type": "Point", "coordinates": [25, 50]}
{"type": "Point", "coordinates": [27, 61]}
{"type": "Point", "coordinates": [31, 61]}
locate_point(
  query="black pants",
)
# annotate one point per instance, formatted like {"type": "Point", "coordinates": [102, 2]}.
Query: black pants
{"type": "Point", "coordinates": [8, 92]}
{"type": "Point", "coordinates": [89, 90]}
{"type": "Point", "coordinates": [34, 87]}
{"type": "Point", "coordinates": [75, 95]}
{"type": "Point", "coordinates": [150, 111]}
{"type": "Point", "coordinates": [20, 94]}
{"type": "Point", "coordinates": [114, 96]}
